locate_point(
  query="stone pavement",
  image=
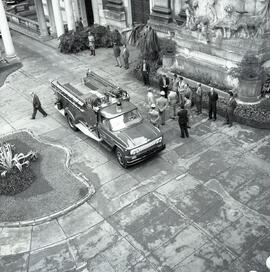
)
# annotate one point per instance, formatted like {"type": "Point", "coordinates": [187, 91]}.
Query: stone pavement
{"type": "Point", "coordinates": [202, 205]}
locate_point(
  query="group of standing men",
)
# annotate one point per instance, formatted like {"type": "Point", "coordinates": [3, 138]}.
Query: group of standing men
{"type": "Point", "coordinates": [177, 96]}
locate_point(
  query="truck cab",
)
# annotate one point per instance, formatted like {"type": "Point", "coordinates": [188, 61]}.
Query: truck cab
{"type": "Point", "coordinates": [110, 119]}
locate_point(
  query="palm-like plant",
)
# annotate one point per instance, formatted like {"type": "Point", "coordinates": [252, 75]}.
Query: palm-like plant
{"type": "Point", "coordinates": [145, 38]}
{"type": "Point", "coordinates": [9, 160]}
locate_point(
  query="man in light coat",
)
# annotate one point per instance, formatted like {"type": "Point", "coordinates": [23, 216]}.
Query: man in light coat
{"type": "Point", "coordinates": [162, 104]}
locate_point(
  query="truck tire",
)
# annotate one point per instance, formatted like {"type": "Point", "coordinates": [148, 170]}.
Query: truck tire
{"type": "Point", "coordinates": [71, 123]}
{"type": "Point", "coordinates": [120, 157]}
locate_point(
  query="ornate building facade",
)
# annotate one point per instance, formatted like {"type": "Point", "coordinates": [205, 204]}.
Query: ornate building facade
{"type": "Point", "coordinates": [212, 36]}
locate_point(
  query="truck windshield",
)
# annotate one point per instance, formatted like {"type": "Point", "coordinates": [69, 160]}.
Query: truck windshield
{"type": "Point", "coordinates": [126, 120]}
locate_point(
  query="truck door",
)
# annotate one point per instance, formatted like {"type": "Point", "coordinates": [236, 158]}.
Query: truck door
{"type": "Point", "coordinates": [104, 131]}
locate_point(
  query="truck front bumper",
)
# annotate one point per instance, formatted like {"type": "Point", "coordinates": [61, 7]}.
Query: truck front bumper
{"type": "Point", "coordinates": [131, 160]}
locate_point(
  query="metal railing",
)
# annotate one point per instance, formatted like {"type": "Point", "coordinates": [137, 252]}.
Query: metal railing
{"type": "Point", "coordinates": [23, 22]}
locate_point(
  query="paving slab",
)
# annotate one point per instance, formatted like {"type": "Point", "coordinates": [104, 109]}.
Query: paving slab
{"type": "Point", "coordinates": [219, 217]}
{"type": "Point", "coordinates": [106, 173]}
{"type": "Point", "coordinates": [55, 258]}
{"type": "Point", "coordinates": [98, 264]}
{"type": "Point", "coordinates": [84, 154]}
{"type": "Point", "coordinates": [198, 202]}
{"type": "Point", "coordinates": [79, 220]}
{"type": "Point", "coordinates": [15, 240]}
{"type": "Point", "coordinates": [46, 234]}
{"type": "Point", "coordinates": [211, 164]}
{"type": "Point", "coordinates": [243, 233]}
{"type": "Point", "coordinates": [181, 246]}
{"type": "Point", "coordinates": [12, 263]}
{"type": "Point", "coordinates": [176, 189]}
{"type": "Point", "coordinates": [142, 266]}
{"type": "Point", "coordinates": [209, 258]}
{"type": "Point", "coordinates": [156, 231]}
{"type": "Point", "coordinates": [122, 256]}
{"type": "Point", "coordinates": [138, 214]}
{"type": "Point", "coordinates": [92, 242]}
{"type": "Point", "coordinates": [258, 254]}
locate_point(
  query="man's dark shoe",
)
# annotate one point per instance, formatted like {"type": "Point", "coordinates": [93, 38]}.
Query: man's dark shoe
{"type": "Point", "coordinates": [45, 115]}
{"type": "Point", "coordinates": [32, 118]}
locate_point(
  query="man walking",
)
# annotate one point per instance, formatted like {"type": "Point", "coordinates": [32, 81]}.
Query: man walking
{"type": "Point", "coordinates": [164, 84]}
{"type": "Point", "coordinates": [230, 110]}
{"type": "Point", "coordinates": [91, 40]}
{"type": "Point", "coordinates": [153, 116]}
{"type": "Point", "coordinates": [117, 52]}
{"type": "Point", "coordinates": [183, 121]}
{"type": "Point", "coordinates": [37, 106]}
{"type": "Point", "coordinates": [213, 98]}
{"type": "Point", "coordinates": [145, 72]}
{"type": "Point", "coordinates": [125, 56]}
{"type": "Point", "coordinates": [162, 104]}
{"type": "Point", "coordinates": [198, 99]}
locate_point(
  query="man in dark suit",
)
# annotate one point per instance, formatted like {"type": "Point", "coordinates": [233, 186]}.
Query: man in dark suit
{"type": "Point", "coordinates": [164, 85]}
{"type": "Point", "coordinates": [230, 110]}
{"type": "Point", "coordinates": [183, 121]}
{"type": "Point", "coordinates": [145, 69]}
{"type": "Point", "coordinates": [37, 106]}
{"type": "Point", "coordinates": [213, 98]}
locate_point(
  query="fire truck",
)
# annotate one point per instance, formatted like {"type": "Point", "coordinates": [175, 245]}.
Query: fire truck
{"type": "Point", "coordinates": [102, 111]}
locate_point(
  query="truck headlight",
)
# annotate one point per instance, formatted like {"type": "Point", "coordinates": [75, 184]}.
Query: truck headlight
{"type": "Point", "coordinates": [158, 140]}
{"type": "Point", "coordinates": [134, 151]}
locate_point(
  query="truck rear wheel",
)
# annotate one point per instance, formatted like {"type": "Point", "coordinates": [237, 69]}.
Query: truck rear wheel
{"type": "Point", "coordinates": [121, 157]}
{"type": "Point", "coordinates": [71, 123]}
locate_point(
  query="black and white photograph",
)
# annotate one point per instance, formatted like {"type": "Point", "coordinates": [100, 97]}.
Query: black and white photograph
{"type": "Point", "coordinates": [134, 135]}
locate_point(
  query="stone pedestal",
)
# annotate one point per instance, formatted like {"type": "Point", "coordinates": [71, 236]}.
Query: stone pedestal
{"type": "Point", "coordinates": [115, 15]}
{"type": "Point", "coordinates": [161, 11]}
{"type": "Point", "coordinates": [249, 90]}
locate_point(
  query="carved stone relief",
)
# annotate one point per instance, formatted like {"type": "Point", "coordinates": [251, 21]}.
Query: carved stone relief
{"type": "Point", "coordinates": [227, 18]}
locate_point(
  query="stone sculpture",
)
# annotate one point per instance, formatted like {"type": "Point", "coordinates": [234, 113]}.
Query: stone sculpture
{"type": "Point", "coordinates": [232, 22]}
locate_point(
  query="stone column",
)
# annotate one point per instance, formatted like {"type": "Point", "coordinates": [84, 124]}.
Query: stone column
{"type": "Point", "coordinates": [129, 13]}
{"type": "Point", "coordinates": [161, 11]}
{"type": "Point", "coordinates": [83, 12]}
{"type": "Point", "coordinates": [58, 18]}
{"type": "Point", "coordinates": [6, 37]}
{"type": "Point", "coordinates": [95, 11]}
{"type": "Point", "coordinates": [69, 15]}
{"type": "Point", "coordinates": [51, 16]}
{"type": "Point", "coordinates": [41, 18]}
{"type": "Point", "coordinates": [76, 10]}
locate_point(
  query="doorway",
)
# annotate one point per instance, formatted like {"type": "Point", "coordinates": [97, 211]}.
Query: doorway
{"type": "Point", "coordinates": [140, 11]}
{"type": "Point", "coordinates": [89, 12]}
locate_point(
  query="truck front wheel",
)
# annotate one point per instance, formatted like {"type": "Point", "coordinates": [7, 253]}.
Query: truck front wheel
{"type": "Point", "coordinates": [71, 123]}
{"type": "Point", "coordinates": [121, 157]}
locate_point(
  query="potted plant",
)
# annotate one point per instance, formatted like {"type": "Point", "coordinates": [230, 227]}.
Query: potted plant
{"type": "Point", "coordinates": [168, 54]}
{"type": "Point", "coordinates": [250, 74]}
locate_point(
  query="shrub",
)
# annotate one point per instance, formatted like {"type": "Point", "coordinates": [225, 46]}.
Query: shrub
{"type": "Point", "coordinates": [73, 42]}
{"type": "Point", "coordinates": [76, 41]}
{"type": "Point", "coordinates": [12, 168]}
{"type": "Point", "coordinates": [249, 68]}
